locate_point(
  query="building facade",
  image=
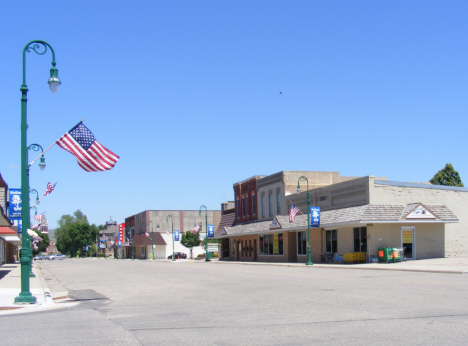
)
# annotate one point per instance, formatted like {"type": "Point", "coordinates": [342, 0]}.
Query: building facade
{"type": "Point", "coordinates": [357, 216]}
{"type": "Point", "coordinates": [147, 233]}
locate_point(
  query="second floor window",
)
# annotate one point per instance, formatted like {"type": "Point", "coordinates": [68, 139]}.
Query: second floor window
{"type": "Point", "coordinates": [243, 206]}
{"type": "Point", "coordinates": [270, 205]}
{"type": "Point", "coordinates": [237, 208]}
{"type": "Point", "coordinates": [253, 204]}
{"type": "Point", "coordinates": [263, 206]}
{"type": "Point", "coordinates": [278, 203]}
{"type": "Point", "coordinates": [247, 205]}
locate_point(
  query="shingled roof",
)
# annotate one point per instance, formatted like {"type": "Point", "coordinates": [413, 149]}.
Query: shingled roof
{"type": "Point", "coordinates": [369, 213]}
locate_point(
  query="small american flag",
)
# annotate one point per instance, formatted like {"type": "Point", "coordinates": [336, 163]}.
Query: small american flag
{"type": "Point", "coordinates": [166, 232]}
{"type": "Point", "coordinates": [292, 212]}
{"type": "Point", "coordinates": [35, 226]}
{"type": "Point", "coordinates": [147, 234]}
{"type": "Point", "coordinates": [195, 228]}
{"type": "Point", "coordinates": [38, 217]}
{"type": "Point", "coordinates": [50, 188]}
{"type": "Point", "coordinates": [91, 155]}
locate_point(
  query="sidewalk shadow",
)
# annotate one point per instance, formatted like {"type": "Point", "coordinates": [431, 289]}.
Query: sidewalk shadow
{"type": "Point", "coordinates": [3, 273]}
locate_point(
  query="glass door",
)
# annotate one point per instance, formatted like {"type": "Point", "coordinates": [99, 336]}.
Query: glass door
{"type": "Point", "coordinates": [407, 242]}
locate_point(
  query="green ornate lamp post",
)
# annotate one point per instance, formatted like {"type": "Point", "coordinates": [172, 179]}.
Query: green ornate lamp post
{"type": "Point", "coordinates": [309, 253]}
{"type": "Point", "coordinates": [172, 225]}
{"type": "Point", "coordinates": [39, 47]}
{"type": "Point", "coordinates": [152, 243]}
{"type": "Point", "coordinates": [206, 235]}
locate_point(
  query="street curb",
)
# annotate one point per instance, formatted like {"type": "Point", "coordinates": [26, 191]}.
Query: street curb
{"type": "Point", "coordinates": [301, 265]}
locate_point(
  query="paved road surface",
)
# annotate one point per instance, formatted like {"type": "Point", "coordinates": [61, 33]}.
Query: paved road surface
{"type": "Point", "coordinates": [124, 302]}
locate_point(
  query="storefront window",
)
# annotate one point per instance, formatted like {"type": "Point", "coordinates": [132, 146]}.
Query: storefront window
{"type": "Point", "coordinates": [271, 244]}
{"type": "Point", "coordinates": [360, 239]}
{"type": "Point", "coordinates": [331, 239]}
{"type": "Point", "coordinates": [301, 243]}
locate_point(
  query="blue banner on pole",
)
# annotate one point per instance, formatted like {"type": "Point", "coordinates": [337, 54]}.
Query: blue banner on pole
{"type": "Point", "coordinates": [176, 235]}
{"type": "Point", "coordinates": [14, 211]}
{"type": "Point", "coordinates": [314, 216]}
{"type": "Point", "coordinates": [210, 231]}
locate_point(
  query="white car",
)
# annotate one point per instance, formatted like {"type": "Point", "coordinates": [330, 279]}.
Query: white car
{"type": "Point", "coordinates": [57, 256]}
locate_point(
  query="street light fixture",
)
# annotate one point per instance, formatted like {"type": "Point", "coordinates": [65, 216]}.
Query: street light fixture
{"type": "Point", "coordinates": [309, 253]}
{"type": "Point", "coordinates": [36, 147]}
{"type": "Point", "coordinates": [37, 197]}
{"type": "Point", "coordinates": [25, 296]}
{"type": "Point", "coordinates": [152, 246]}
{"type": "Point", "coordinates": [206, 235]}
{"type": "Point", "coordinates": [172, 225]}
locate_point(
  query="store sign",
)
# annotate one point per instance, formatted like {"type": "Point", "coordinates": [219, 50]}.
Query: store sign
{"type": "Point", "coordinates": [176, 236]}
{"type": "Point", "coordinates": [121, 232]}
{"type": "Point", "coordinates": [14, 211]}
{"type": "Point", "coordinates": [211, 231]}
{"type": "Point", "coordinates": [275, 244]}
{"type": "Point", "coordinates": [421, 213]}
{"type": "Point", "coordinates": [314, 216]}
{"type": "Point", "coordinates": [407, 237]}
{"type": "Point", "coordinates": [275, 224]}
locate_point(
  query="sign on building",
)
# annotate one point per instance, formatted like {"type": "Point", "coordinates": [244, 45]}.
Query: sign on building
{"type": "Point", "coordinates": [121, 232]}
{"type": "Point", "coordinates": [314, 216]}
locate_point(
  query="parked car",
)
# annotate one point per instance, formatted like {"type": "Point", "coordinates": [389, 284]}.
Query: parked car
{"type": "Point", "coordinates": [178, 255]}
{"type": "Point", "coordinates": [40, 257]}
{"type": "Point", "coordinates": [56, 256]}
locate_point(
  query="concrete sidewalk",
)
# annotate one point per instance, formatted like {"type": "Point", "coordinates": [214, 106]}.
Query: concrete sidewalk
{"type": "Point", "coordinates": [457, 265]}
{"type": "Point", "coordinates": [10, 287]}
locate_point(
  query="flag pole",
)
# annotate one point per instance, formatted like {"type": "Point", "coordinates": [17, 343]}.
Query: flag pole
{"type": "Point", "coordinates": [43, 196]}
{"type": "Point", "coordinates": [297, 208]}
{"type": "Point", "coordinates": [51, 146]}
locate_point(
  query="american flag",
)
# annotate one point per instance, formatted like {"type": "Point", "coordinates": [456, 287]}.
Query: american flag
{"type": "Point", "coordinates": [91, 155]}
{"type": "Point", "coordinates": [35, 226]}
{"type": "Point", "coordinates": [292, 212]}
{"type": "Point", "coordinates": [38, 217]}
{"type": "Point", "coordinates": [166, 232]}
{"type": "Point", "coordinates": [147, 234]}
{"type": "Point", "coordinates": [195, 228]}
{"type": "Point", "coordinates": [49, 189]}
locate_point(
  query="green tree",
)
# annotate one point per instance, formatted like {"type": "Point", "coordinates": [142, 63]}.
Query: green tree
{"type": "Point", "coordinates": [42, 245]}
{"type": "Point", "coordinates": [190, 240]}
{"type": "Point", "coordinates": [447, 176]}
{"type": "Point", "coordinates": [73, 232]}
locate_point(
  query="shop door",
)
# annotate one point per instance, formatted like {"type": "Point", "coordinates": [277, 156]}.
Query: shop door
{"type": "Point", "coordinates": [237, 250]}
{"type": "Point", "coordinates": [407, 242]}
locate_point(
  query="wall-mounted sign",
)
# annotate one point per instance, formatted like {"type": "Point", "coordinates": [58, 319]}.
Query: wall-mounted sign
{"type": "Point", "coordinates": [275, 224]}
{"type": "Point", "coordinates": [420, 213]}
{"type": "Point", "coordinates": [176, 235]}
{"type": "Point", "coordinates": [314, 216]}
{"type": "Point", "coordinates": [121, 232]}
{"type": "Point", "coordinates": [14, 211]}
{"type": "Point", "coordinates": [210, 231]}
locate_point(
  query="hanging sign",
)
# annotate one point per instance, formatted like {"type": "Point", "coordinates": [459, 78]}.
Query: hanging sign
{"type": "Point", "coordinates": [314, 216]}
{"type": "Point", "coordinates": [176, 235]}
{"type": "Point", "coordinates": [14, 211]}
{"type": "Point", "coordinates": [121, 232]}
{"type": "Point", "coordinates": [210, 231]}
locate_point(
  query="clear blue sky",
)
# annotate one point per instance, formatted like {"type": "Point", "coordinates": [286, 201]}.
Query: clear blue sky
{"type": "Point", "coordinates": [187, 93]}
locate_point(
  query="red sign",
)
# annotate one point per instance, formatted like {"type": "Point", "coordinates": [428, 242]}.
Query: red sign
{"type": "Point", "coordinates": [121, 232]}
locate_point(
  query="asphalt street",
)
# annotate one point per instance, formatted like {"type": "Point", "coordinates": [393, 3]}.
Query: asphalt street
{"type": "Point", "coordinates": [125, 302]}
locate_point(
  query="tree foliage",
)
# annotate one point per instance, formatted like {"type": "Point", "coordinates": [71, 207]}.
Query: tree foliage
{"type": "Point", "coordinates": [74, 232]}
{"type": "Point", "coordinates": [190, 239]}
{"type": "Point", "coordinates": [43, 244]}
{"type": "Point", "coordinates": [447, 176]}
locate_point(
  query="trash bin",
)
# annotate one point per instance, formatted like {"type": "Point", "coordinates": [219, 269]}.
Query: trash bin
{"type": "Point", "coordinates": [396, 255]}
{"type": "Point", "coordinates": [385, 254]}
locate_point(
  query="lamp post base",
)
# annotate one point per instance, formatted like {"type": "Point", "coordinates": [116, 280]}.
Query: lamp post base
{"type": "Point", "coordinates": [309, 263]}
{"type": "Point", "coordinates": [25, 298]}
{"type": "Point", "coordinates": [31, 275]}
